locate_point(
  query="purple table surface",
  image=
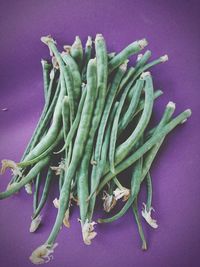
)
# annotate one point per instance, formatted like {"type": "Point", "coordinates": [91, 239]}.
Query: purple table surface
{"type": "Point", "coordinates": [171, 27]}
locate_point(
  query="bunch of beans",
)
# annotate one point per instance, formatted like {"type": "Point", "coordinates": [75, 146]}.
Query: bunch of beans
{"type": "Point", "coordinates": [94, 125]}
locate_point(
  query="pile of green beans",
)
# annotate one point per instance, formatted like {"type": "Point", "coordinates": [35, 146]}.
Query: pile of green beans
{"type": "Point", "coordinates": [93, 99]}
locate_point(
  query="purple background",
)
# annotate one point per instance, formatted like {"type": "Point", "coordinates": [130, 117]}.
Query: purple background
{"type": "Point", "coordinates": [171, 27]}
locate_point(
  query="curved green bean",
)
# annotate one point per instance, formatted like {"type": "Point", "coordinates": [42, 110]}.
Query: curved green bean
{"type": "Point", "coordinates": [131, 49]}
{"type": "Point", "coordinates": [122, 150]}
{"type": "Point", "coordinates": [28, 178]}
{"type": "Point", "coordinates": [146, 147]}
{"type": "Point", "coordinates": [76, 77]}
{"type": "Point", "coordinates": [139, 224]}
{"type": "Point", "coordinates": [44, 193]}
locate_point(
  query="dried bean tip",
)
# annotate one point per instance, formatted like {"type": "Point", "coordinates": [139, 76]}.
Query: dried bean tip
{"type": "Point", "coordinates": [142, 43]}
{"type": "Point", "coordinates": [171, 105]}
{"type": "Point", "coordinates": [35, 224]}
{"type": "Point", "coordinates": [99, 36]}
{"type": "Point", "coordinates": [124, 65]}
{"type": "Point", "coordinates": [42, 254]}
{"type": "Point", "coordinates": [139, 57]}
{"type": "Point", "coordinates": [67, 49]}
{"type": "Point", "coordinates": [55, 63]}
{"type": "Point", "coordinates": [164, 58]}
{"type": "Point", "coordinates": [89, 41]}
{"type": "Point", "coordinates": [52, 74]}
{"type": "Point", "coordinates": [144, 246]}
{"type": "Point", "coordinates": [28, 188]}
{"type": "Point", "coordinates": [189, 113]}
{"type": "Point", "coordinates": [93, 60]}
{"type": "Point", "coordinates": [47, 39]}
{"type": "Point", "coordinates": [145, 74]}
{"type": "Point", "coordinates": [44, 61]}
{"type": "Point", "coordinates": [77, 43]}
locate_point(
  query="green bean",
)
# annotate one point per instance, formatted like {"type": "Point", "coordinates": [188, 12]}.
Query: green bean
{"type": "Point", "coordinates": [54, 128]}
{"type": "Point", "coordinates": [64, 73]}
{"type": "Point", "coordinates": [145, 147]}
{"type": "Point", "coordinates": [132, 106]}
{"type": "Point", "coordinates": [110, 99]}
{"type": "Point", "coordinates": [75, 124]}
{"type": "Point", "coordinates": [77, 51]}
{"type": "Point", "coordinates": [76, 77]}
{"type": "Point", "coordinates": [139, 224]}
{"type": "Point", "coordinates": [26, 163]}
{"type": "Point", "coordinates": [28, 178]}
{"type": "Point", "coordinates": [78, 148]}
{"type": "Point", "coordinates": [42, 121]}
{"type": "Point", "coordinates": [36, 191]}
{"type": "Point", "coordinates": [126, 53]}
{"type": "Point", "coordinates": [127, 77]}
{"type": "Point", "coordinates": [65, 116]}
{"type": "Point", "coordinates": [123, 149]}
{"type": "Point", "coordinates": [147, 67]}
{"type": "Point", "coordinates": [98, 169]}
{"type": "Point", "coordinates": [88, 54]}
{"type": "Point", "coordinates": [135, 187]}
{"type": "Point", "coordinates": [166, 116]}
{"type": "Point", "coordinates": [143, 60]}
{"type": "Point", "coordinates": [140, 171]}
{"type": "Point", "coordinates": [140, 107]}
{"type": "Point", "coordinates": [44, 193]}
{"type": "Point", "coordinates": [61, 179]}
{"type": "Point", "coordinates": [66, 126]}
{"type": "Point", "coordinates": [149, 191]}
{"type": "Point", "coordinates": [102, 73]}
{"type": "Point", "coordinates": [82, 183]}
{"type": "Point", "coordinates": [119, 108]}
{"type": "Point", "coordinates": [46, 68]}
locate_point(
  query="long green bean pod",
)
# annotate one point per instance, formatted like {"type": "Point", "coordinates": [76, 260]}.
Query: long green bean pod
{"type": "Point", "coordinates": [45, 193]}
{"type": "Point", "coordinates": [135, 187]}
{"type": "Point", "coordinates": [139, 224]}
{"type": "Point", "coordinates": [102, 75]}
{"type": "Point", "coordinates": [76, 51]}
{"type": "Point", "coordinates": [149, 191]}
{"type": "Point", "coordinates": [46, 68]}
{"type": "Point", "coordinates": [75, 124]}
{"type": "Point", "coordinates": [141, 170]}
{"type": "Point", "coordinates": [111, 96]}
{"type": "Point", "coordinates": [143, 60]}
{"type": "Point", "coordinates": [131, 49]}
{"type": "Point", "coordinates": [126, 79]}
{"type": "Point", "coordinates": [145, 147]}
{"type": "Point", "coordinates": [122, 150]}
{"type": "Point", "coordinates": [14, 187]}
{"type": "Point", "coordinates": [54, 128]}
{"type": "Point", "coordinates": [98, 169]}
{"type": "Point", "coordinates": [42, 123]}
{"type": "Point", "coordinates": [37, 182]}
{"type": "Point", "coordinates": [78, 149]}
{"type": "Point", "coordinates": [145, 68]}
{"type": "Point", "coordinates": [32, 161]}
{"type": "Point", "coordinates": [126, 118]}
{"type": "Point", "coordinates": [64, 73]}
{"type": "Point", "coordinates": [76, 77]}
{"type": "Point", "coordinates": [87, 57]}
